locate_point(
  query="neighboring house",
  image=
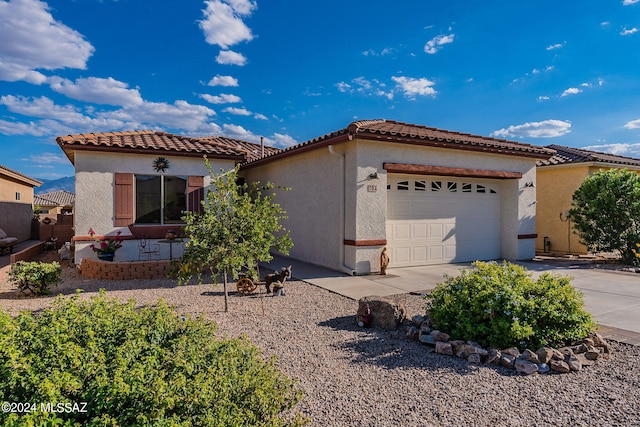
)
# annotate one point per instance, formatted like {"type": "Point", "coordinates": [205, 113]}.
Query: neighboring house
{"type": "Point", "coordinates": [54, 203]}
{"type": "Point", "coordinates": [139, 183]}
{"type": "Point", "coordinates": [430, 196]}
{"type": "Point", "coordinates": [558, 178]}
{"type": "Point", "coordinates": [16, 203]}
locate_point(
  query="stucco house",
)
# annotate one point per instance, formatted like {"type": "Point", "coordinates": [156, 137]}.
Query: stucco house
{"type": "Point", "coordinates": [558, 178]}
{"type": "Point", "coordinates": [16, 202]}
{"type": "Point", "coordinates": [53, 203]}
{"type": "Point", "coordinates": [430, 196]}
{"type": "Point", "coordinates": [138, 183]}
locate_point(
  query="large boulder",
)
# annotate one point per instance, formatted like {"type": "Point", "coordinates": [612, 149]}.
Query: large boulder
{"type": "Point", "coordinates": [386, 313]}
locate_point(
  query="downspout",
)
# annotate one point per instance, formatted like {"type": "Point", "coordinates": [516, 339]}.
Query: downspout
{"type": "Point", "coordinates": [343, 174]}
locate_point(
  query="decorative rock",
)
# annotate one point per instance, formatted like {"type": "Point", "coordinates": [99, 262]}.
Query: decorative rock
{"type": "Point", "coordinates": [511, 351]}
{"type": "Point", "coordinates": [573, 362]}
{"type": "Point", "coordinates": [530, 356]}
{"type": "Point", "coordinates": [580, 348]}
{"type": "Point", "coordinates": [425, 328]}
{"type": "Point", "coordinates": [493, 356]}
{"type": "Point", "coordinates": [598, 341]}
{"type": "Point", "coordinates": [543, 368]}
{"type": "Point", "coordinates": [507, 360]}
{"type": "Point", "coordinates": [412, 333]}
{"type": "Point", "coordinates": [440, 336]}
{"type": "Point", "coordinates": [559, 366]}
{"type": "Point", "coordinates": [386, 313]}
{"type": "Point", "coordinates": [583, 360]}
{"type": "Point", "coordinates": [464, 351]}
{"type": "Point", "coordinates": [557, 354]}
{"type": "Point", "coordinates": [417, 320]}
{"type": "Point", "coordinates": [544, 354]}
{"type": "Point", "coordinates": [444, 348]}
{"type": "Point", "coordinates": [525, 366]}
{"type": "Point", "coordinates": [427, 339]}
{"type": "Point", "coordinates": [592, 354]}
{"type": "Point", "coordinates": [474, 358]}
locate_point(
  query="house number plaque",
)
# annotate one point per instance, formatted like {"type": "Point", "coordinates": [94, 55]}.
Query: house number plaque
{"type": "Point", "coordinates": [372, 188]}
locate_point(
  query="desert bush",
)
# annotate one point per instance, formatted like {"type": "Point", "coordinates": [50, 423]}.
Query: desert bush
{"type": "Point", "coordinates": [136, 367]}
{"type": "Point", "coordinates": [35, 277]}
{"type": "Point", "coordinates": [500, 305]}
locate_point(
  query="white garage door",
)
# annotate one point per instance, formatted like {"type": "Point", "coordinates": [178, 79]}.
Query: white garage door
{"type": "Point", "coordinates": [437, 220]}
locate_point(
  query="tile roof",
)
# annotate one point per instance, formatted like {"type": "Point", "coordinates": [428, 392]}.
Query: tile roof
{"type": "Point", "coordinates": [393, 131]}
{"type": "Point", "coordinates": [19, 176]}
{"type": "Point", "coordinates": [59, 198]}
{"type": "Point", "coordinates": [251, 150]}
{"type": "Point", "coordinates": [158, 143]}
{"type": "Point", "coordinates": [569, 155]}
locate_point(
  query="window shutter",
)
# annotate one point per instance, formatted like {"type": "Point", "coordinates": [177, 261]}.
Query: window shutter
{"type": "Point", "coordinates": [123, 199]}
{"type": "Point", "coordinates": [195, 193]}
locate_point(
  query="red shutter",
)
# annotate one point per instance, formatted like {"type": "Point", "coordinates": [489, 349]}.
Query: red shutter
{"type": "Point", "coordinates": [123, 199]}
{"type": "Point", "coordinates": [195, 193]}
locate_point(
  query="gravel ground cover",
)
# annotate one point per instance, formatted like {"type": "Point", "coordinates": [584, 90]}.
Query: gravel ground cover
{"type": "Point", "coordinates": [366, 377]}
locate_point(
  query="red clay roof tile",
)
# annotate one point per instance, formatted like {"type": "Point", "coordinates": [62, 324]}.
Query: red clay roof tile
{"type": "Point", "coordinates": [569, 155]}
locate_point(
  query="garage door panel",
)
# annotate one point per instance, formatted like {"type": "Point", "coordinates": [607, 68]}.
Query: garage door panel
{"type": "Point", "coordinates": [442, 223]}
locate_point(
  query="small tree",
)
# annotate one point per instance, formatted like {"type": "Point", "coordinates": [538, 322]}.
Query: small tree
{"type": "Point", "coordinates": [606, 212]}
{"type": "Point", "coordinates": [237, 228]}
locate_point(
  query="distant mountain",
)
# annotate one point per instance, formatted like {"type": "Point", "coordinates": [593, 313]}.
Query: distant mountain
{"type": "Point", "coordinates": [66, 183]}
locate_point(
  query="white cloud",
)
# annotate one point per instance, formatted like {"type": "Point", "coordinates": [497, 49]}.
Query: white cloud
{"type": "Point", "coordinates": [343, 86]}
{"type": "Point", "coordinates": [237, 111]}
{"type": "Point", "coordinates": [223, 98]}
{"type": "Point", "coordinates": [97, 90]}
{"type": "Point", "coordinates": [48, 159]}
{"type": "Point", "coordinates": [412, 86]}
{"type": "Point", "coordinates": [37, 41]}
{"type": "Point", "coordinates": [222, 24]}
{"type": "Point", "coordinates": [556, 46]}
{"type": "Point", "coordinates": [633, 124]}
{"type": "Point", "coordinates": [283, 141]}
{"type": "Point", "coordinates": [259, 116]}
{"type": "Point", "coordinates": [544, 129]}
{"type": "Point", "coordinates": [628, 31]}
{"type": "Point", "coordinates": [21, 128]}
{"type": "Point", "coordinates": [543, 98]}
{"type": "Point", "coordinates": [223, 81]}
{"type": "Point", "coordinates": [629, 150]}
{"type": "Point", "coordinates": [383, 52]}
{"type": "Point", "coordinates": [229, 57]}
{"type": "Point", "coordinates": [179, 115]}
{"type": "Point", "coordinates": [628, 2]}
{"type": "Point", "coordinates": [436, 43]}
{"type": "Point", "coordinates": [571, 91]}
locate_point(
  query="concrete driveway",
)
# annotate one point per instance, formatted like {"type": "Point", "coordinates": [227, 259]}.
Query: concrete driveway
{"type": "Point", "coordinates": [613, 298]}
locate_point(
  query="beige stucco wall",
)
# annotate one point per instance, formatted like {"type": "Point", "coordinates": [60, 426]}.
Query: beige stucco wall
{"type": "Point", "coordinates": [316, 208]}
{"type": "Point", "coordinates": [94, 192]}
{"type": "Point", "coordinates": [313, 204]}
{"type": "Point", "coordinates": [9, 188]}
{"type": "Point", "coordinates": [556, 185]}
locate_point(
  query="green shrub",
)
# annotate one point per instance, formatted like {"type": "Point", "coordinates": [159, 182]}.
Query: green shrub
{"type": "Point", "coordinates": [502, 306]}
{"type": "Point", "coordinates": [136, 367]}
{"type": "Point", "coordinates": [35, 277]}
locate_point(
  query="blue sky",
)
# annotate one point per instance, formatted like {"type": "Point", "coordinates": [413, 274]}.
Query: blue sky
{"type": "Point", "coordinates": [541, 72]}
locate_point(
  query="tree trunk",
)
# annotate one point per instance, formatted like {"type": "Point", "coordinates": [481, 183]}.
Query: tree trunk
{"type": "Point", "coordinates": [226, 294]}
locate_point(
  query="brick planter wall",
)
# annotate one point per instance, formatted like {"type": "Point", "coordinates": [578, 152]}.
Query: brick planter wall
{"type": "Point", "coordinates": [105, 270]}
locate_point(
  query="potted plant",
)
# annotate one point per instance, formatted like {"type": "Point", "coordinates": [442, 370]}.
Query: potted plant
{"type": "Point", "coordinates": [105, 247]}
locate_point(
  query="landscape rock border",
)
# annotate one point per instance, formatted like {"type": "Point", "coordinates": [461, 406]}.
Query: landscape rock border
{"type": "Point", "coordinates": [572, 358]}
{"type": "Point", "coordinates": [389, 314]}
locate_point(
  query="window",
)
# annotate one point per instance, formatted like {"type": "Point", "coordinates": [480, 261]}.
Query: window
{"type": "Point", "coordinates": [17, 195]}
{"type": "Point", "coordinates": [481, 189]}
{"type": "Point", "coordinates": [420, 186]}
{"type": "Point", "coordinates": [160, 199]}
{"type": "Point", "coordinates": [452, 186]}
{"type": "Point", "coordinates": [436, 185]}
{"type": "Point", "coordinates": [466, 187]}
{"type": "Point", "coordinates": [403, 185]}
